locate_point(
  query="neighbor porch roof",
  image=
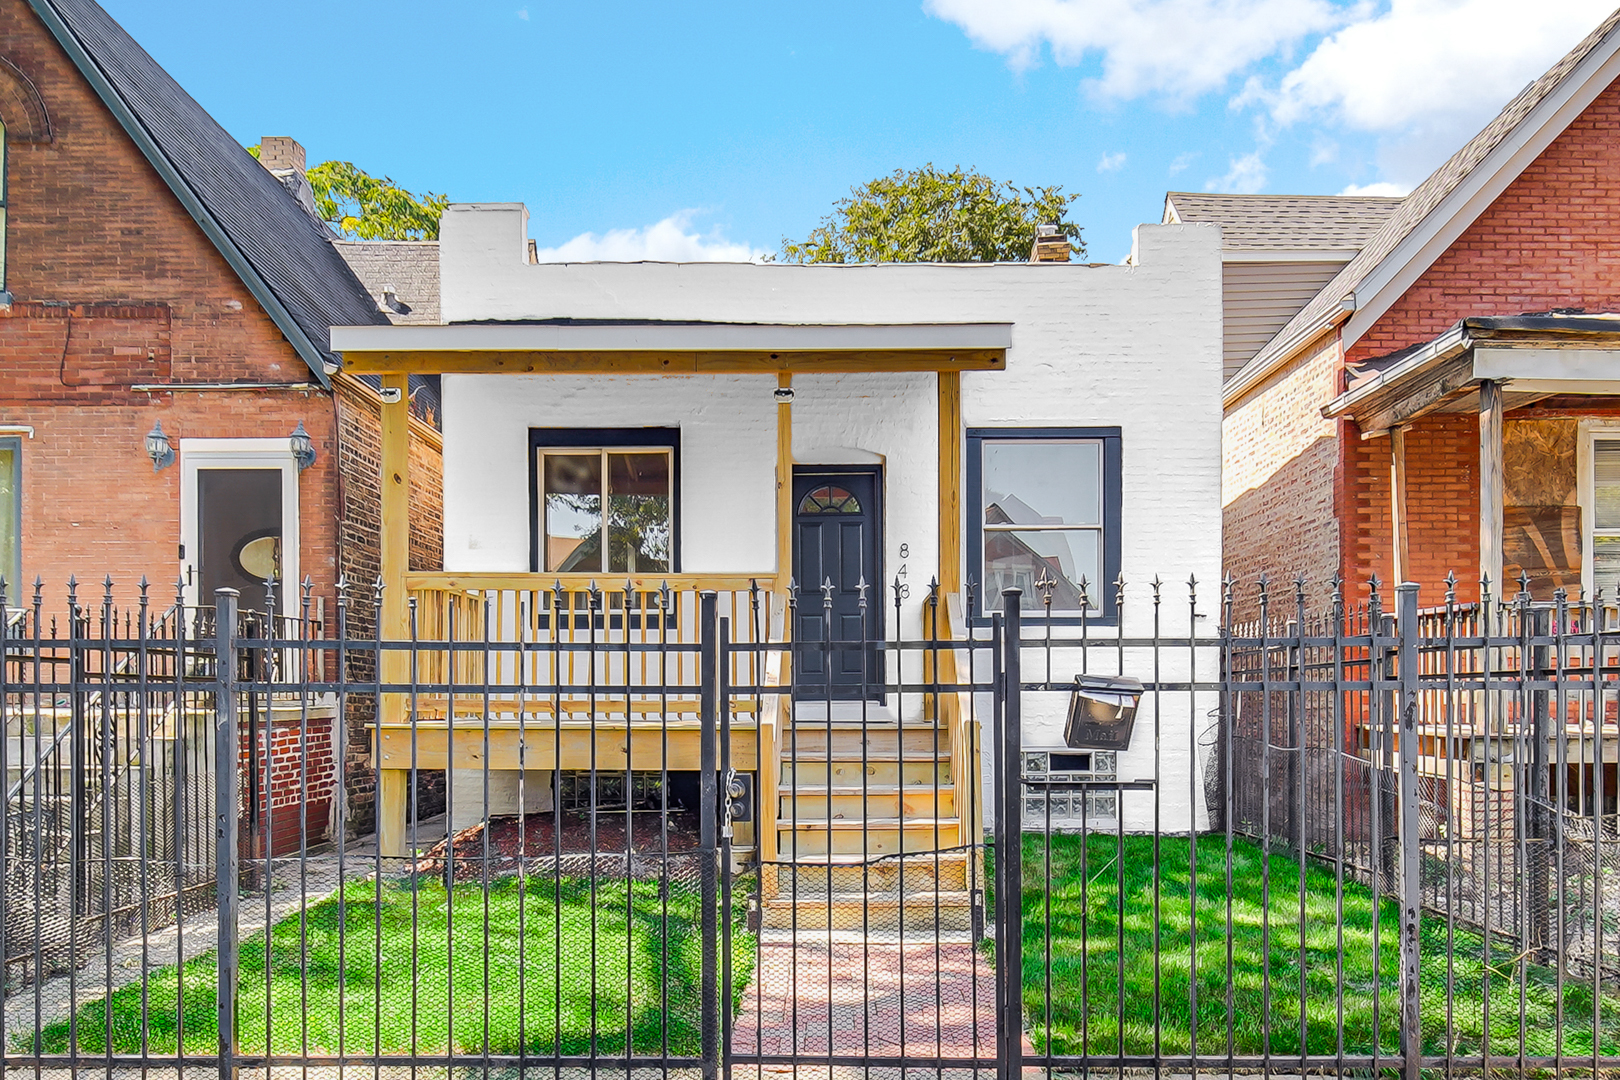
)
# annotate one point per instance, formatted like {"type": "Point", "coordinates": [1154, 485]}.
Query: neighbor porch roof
{"type": "Point", "coordinates": [1532, 357]}
{"type": "Point", "coordinates": [629, 346]}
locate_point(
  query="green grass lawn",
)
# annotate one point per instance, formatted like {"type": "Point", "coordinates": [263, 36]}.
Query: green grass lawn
{"type": "Point", "coordinates": [438, 955]}
{"type": "Point", "coordinates": [1083, 958]}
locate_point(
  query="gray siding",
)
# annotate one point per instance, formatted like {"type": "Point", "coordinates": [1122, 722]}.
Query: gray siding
{"type": "Point", "coordinates": [1260, 297]}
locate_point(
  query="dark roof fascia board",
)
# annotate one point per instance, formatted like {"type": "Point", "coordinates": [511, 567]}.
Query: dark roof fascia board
{"type": "Point", "coordinates": [1371, 294]}
{"type": "Point", "coordinates": [137, 132]}
{"type": "Point", "coordinates": [1543, 324]}
{"type": "Point", "coordinates": [1386, 282]}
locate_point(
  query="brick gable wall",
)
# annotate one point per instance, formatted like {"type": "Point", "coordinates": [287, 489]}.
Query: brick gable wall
{"type": "Point", "coordinates": [1551, 240]}
{"type": "Point", "coordinates": [116, 286]}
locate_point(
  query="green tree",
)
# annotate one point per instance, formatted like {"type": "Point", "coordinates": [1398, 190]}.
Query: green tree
{"type": "Point", "coordinates": [927, 215]}
{"type": "Point", "coordinates": [365, 207]}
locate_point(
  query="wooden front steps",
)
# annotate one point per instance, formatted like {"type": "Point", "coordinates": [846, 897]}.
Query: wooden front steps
{"type": "Point", "coordinates": [866, 816]}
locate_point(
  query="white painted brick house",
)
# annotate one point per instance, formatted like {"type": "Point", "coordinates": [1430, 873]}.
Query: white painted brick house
{"type": "Point", "coordinates": [987, 425]}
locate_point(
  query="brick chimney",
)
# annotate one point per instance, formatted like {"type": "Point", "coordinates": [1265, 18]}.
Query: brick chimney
{"type": "Point", "coordinates": [1050, 245]}
{"type": "Point", "coordinates": [283, 157]}
{"type": "Point", "coordinates": [281, 153]}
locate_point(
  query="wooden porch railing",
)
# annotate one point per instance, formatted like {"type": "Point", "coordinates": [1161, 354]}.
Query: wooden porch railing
{"type": "Point", "coordinates": [553, 616]}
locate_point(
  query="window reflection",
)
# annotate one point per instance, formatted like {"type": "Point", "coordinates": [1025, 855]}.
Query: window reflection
{"type": "Point", "coordinates": [632, 509]}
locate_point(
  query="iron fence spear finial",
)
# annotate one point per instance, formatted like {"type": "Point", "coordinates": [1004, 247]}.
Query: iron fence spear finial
{"type": "Point", "coordinates": [861, 586]}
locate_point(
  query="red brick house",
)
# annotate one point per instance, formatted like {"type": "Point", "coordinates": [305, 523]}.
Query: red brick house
{"type": "Point", "coordinates": [157, 280]}
{"type": "Point", "coordinates": [1450, 400]}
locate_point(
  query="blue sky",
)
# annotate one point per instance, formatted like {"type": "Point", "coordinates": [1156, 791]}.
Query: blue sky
{"type": "Point", "coordinates": [713, 130]}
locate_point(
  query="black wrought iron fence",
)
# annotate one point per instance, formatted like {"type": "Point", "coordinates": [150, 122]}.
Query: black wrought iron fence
{"type": "Point", "coordinates": [1371, 839]}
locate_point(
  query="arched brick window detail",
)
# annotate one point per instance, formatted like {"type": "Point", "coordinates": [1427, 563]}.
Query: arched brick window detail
{"type": "Point", "coordinates": [22, 110]}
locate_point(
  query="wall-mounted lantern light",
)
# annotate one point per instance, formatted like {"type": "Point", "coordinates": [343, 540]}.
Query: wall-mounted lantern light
{"type": "Point", "coordinates": [303, 449]}
{"type": "Point", "coordinates": [1102, 712]}
{"type": "Point", "coordinates": [158, 448]}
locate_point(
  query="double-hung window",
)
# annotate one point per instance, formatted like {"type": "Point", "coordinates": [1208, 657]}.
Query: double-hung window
{"type": "Point", "coordinates": [1605, 521]}
{"type": "Point", "coordinates": [605, 500]}
{"type": "Point", "coordinates": [1044, 517]}
{"type": "Point", "coordinates": [11, 516]}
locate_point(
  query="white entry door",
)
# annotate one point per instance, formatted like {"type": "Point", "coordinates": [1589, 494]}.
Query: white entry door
{"type": "Point", "coordinates": [238, 519]}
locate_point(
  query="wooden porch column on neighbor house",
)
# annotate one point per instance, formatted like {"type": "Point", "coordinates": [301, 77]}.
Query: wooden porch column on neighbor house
{"type": "Point", "coordinates": [1397, 494]}
{"type": "Point", "coordinates": [1490, 484]}
{"type": "Point", "coordinates": [392, 624]}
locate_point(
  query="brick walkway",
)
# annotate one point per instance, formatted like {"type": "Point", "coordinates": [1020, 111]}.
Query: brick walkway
{"type": "Point", "coordinates": [878, 997]}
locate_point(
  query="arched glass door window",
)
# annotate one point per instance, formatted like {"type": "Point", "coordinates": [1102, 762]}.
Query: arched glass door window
{"type": "Point", "coordinates": [829, 499]}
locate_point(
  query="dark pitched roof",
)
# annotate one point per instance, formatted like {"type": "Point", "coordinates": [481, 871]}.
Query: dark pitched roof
{"type": "Point", "coordinates": [1429, 194]}
{"type": "Point", "coordinates": [1284, 222]}
{"type": "Point", "coordinates": [410, 268]}
{"type": "Point", "coordinates": [284, 257]}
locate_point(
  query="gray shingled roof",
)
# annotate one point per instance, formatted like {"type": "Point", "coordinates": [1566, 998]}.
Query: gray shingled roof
{"type": "Point", "coordinates": [1429, 194]}
{"type": "Point", "coordinates": [409, 267]}
{"type": "Point", "coordinates": [1284, 222]}
{"type": "Point", "coordinates": [284, 257]}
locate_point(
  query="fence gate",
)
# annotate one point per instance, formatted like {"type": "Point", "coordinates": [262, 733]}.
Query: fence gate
{"type": "Point", "coordinates": [566, 827]}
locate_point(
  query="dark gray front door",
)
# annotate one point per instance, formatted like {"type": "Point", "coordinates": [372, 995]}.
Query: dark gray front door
{"type": "Point", "coordinates": [836, 523]}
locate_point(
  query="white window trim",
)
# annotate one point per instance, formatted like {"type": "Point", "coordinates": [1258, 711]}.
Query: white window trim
{"type": "Point", "coordinates": [199, 454]}
{"type": "Point", "coordinates": [603, 451]}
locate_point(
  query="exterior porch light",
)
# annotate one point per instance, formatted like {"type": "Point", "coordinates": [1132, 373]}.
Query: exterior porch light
{"type": "Point", "coordinates": [1102, 712]}
{"type": "Point", "coordinates": [783, 394]}
{"type": "Point", "coordinates": [158, 448]}
{"type": "Point", "coordinates": [303, 449]}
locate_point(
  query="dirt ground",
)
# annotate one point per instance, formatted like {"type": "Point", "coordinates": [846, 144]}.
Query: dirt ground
{"type": "Point", "coordinates": [498, 845]}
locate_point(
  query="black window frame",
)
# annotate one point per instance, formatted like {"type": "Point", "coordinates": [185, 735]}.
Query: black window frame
{"type": "Point", "coordinates": [1107, 613]}
{"type": "Point", "coordinates": [596, 439]}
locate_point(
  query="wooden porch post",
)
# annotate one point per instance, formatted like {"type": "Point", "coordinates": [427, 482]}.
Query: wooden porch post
{"type": "Point", "coordinates": [1397, 492]}
{"type": "Point", "coordinates": [394, 543]}
{"type": "Point", "coordinates": [784, 487]}
{"type": "Point", "coordinates": [1490, 484]}
{"type": "Point", "coordinates": [950, 482]}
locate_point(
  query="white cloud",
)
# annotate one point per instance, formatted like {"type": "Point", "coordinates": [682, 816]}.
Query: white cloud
{"type": "Point", "coordinates": [1179, 48]}
{"type": "Point", "coordinates": [1324, 151]}
{"type": "Point", "coordinates": [1182, 160]}
{"type": "Point", "coordinates": [670, 240]}
{"type": "Point", "coordinates": [1433, 62]}
{"type": "Point", "coordinates": [1382, 188]}
{"type": "Point", "coordinates": [1245, 176]}
{"type": "Point", "coordinates": [1112, 162]}
{"type": "Point", "coordinates": [523, 13]}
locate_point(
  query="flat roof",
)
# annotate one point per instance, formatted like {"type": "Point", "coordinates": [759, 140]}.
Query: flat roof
{"type": "Point", "coordinates": [656, 336]}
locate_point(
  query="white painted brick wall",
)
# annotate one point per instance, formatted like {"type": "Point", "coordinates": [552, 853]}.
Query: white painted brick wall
{"type": "Point", "coordinates": [1136, 347]}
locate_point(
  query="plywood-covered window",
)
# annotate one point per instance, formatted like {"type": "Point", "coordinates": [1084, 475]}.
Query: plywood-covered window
{"type": "Point", "coordinates": [608, 508]}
